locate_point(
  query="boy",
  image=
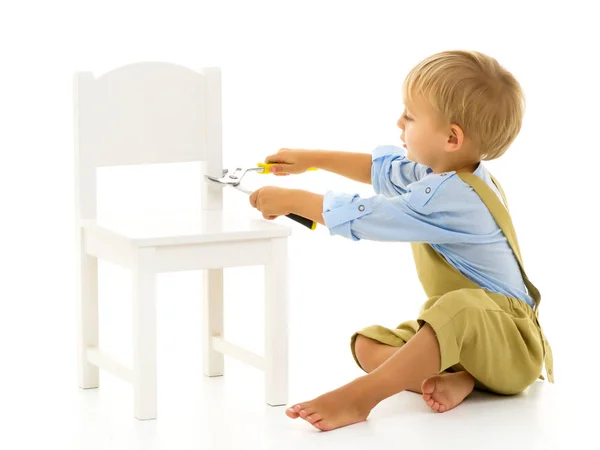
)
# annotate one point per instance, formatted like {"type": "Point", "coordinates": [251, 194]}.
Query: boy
{"type": "Point", "coordinates": [479, 327]}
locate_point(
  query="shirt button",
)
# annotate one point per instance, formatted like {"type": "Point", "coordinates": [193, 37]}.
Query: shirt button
{"type": "Point", "coordinates": [444, 174]}
{"type": "Point", "coordinates": [361, 208]}
{"type": "Point", "coordinates": [428, 190]}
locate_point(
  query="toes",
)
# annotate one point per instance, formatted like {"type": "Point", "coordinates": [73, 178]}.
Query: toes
{"type": "Point", "coordinates": [442, 409]}
{"type": "Point", "coordinates": [313, 418]}
{"type": "Point", "coordinates": [291, 413]}
{"type": "Point", "coordinates": [304, 409]}
{"type": "Point", "coordinates": [295, 411]}
{"type": "Point", "coordinates": [436, 406]}
{"type": "Point", "coordinates": [323, 426]}
{"type": "Point", "coordinates": [320, 426]}
{"type": "Point", "coordinates": [307, 414]}
{"type": "Point", "coordinates": [430, 402]}
{"type": "Point", "coordinates": [301, 406]}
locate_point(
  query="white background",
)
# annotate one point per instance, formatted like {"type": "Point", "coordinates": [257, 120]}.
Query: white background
{"type": "Point", "coordinates": [316, 75]}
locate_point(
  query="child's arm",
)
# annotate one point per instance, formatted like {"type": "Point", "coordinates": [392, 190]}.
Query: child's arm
{"type": "Point", "coordinates": [403, 218]}
{"type": "Point", "coordinates": [376, 218]}
{"type": "Point", "coordinates": [356, 166]}
{"type": "Point", "coordinates": [387, 168]}
{"type": "Point", "coordinates": [275, 201]}
{"type": "Point", "coordinates": [307, 204]}
{"type": "Point", "coordinates": [392, 172]}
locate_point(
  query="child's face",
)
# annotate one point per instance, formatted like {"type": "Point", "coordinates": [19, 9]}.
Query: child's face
{"type": "Point", "coordinates": [423, 134]}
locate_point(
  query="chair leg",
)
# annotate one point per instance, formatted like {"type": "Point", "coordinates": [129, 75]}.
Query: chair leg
{"type": "Point", "coordinates": [87, 317]}
{"type": "Point", "coordinates": [276, 323]}
{"type": "Point", "coordinates": [144, 339]}
{"type": "Point", "coordinates": [213, 362]}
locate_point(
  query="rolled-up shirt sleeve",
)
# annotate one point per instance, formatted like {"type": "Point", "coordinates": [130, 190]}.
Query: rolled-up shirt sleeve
{"type": "Point", "coordinates": [392, 172]}
{"type": "Point", "coordinates": [380, 218]}
{"type": "Point", "coordinates": [341, 209]}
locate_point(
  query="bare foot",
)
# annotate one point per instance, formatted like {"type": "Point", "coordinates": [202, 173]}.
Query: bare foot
{"type": "Point", "coordinates": [336, 409]}
{"type": "Point", "coordinates": [446, 391]}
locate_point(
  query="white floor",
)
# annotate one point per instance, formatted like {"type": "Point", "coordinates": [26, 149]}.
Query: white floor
{"type": "Point", "coordinates": [41, 405]}
{"type": "Point", "coordinates": [228, 413]}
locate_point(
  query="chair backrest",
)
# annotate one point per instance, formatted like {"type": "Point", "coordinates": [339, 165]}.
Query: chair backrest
{"type": "Point", "coordinates": [147, 113]}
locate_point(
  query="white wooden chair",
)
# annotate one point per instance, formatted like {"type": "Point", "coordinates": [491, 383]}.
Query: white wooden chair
{"type": "Point", "coordinates": [164, 113]}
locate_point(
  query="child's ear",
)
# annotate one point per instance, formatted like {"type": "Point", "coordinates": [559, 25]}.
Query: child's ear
{"type": "Point", "coordinates": [456, 138]}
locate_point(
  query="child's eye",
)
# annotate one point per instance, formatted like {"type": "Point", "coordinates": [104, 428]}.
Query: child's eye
{"type": "Point", "coordinates": [406, 117]}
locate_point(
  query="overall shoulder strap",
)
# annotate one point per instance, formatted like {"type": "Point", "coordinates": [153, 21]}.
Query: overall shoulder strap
{"type": "Point", "coordinates": [502, 218]}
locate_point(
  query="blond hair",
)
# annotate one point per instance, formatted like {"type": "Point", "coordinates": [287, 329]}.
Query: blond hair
{"type": "Point", "coordinates": [475, 92]}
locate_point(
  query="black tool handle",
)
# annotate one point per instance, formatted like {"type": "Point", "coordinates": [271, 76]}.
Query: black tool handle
{"type": "Point", "coordinates": [303, 221]}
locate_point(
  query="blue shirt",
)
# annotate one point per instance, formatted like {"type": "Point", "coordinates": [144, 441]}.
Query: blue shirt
{"type": "Point", "coordinates": [413, 204]}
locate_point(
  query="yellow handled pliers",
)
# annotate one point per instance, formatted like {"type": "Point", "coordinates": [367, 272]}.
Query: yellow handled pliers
{"type": "Point", "coordinates": [234, 178]}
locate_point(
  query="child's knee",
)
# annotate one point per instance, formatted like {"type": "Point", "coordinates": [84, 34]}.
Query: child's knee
{"type": "Point", "coordinates": [363, 346]}
{"type": "Point", "coordinates": [363, 349]}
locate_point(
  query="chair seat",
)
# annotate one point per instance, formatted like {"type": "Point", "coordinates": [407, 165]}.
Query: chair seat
{"type": "Point", "coordinates": [187, 228]}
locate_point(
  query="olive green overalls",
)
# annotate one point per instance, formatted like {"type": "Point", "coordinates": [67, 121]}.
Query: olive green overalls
{"type": "Point", "coordinates": [497, 339]}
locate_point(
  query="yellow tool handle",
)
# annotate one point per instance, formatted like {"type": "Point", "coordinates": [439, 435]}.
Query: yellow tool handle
{"type": "Point", "coordinates": [303, 221]}
{"type": "Point", "coordinates": [267, 167]}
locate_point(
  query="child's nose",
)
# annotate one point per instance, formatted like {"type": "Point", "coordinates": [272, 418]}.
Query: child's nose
{"type": "Point", "coordinates": [400, 123]}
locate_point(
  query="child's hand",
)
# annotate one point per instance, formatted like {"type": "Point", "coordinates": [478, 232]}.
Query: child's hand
{"type": "Point", "coordinates": [289, 161]}
{"type": "Point", "coordinates": [272, 201]}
